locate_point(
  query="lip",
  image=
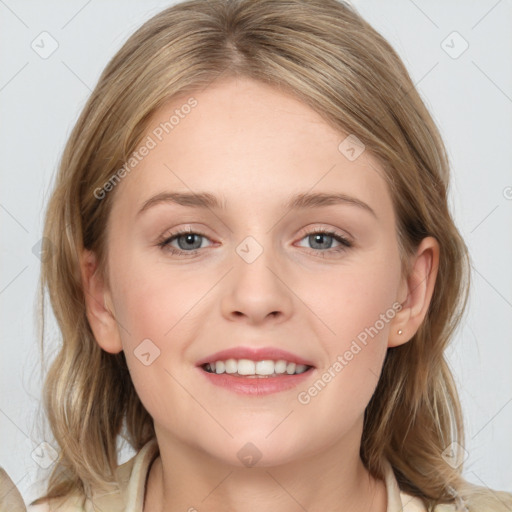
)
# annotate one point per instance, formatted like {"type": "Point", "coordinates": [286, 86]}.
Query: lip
{"type": "Point", "coordinates": [254, 386]}
{"type": "Point", "coordinates": [254, 354]}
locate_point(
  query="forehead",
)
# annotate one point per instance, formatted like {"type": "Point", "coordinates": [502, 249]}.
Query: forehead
{"type": "Point", "coordinates": [250, 144]}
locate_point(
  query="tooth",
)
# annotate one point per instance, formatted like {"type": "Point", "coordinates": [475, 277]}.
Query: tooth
{"type": "Point", "coordinates": [231, 366]}
{"type": "Point", "coordinates": [246, 367]}
{"type": "Point", "coordinates": [290, 369]}
{"type": "Point", "coordinates": [250, 368]}
{"type": "Point", "coordinates": [265, 367]}
{"type": "Point", "coordinates": [280, 366]}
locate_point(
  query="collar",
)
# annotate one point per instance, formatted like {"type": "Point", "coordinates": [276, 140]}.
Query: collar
{"type": "Point", "coordinates": [134, 474]}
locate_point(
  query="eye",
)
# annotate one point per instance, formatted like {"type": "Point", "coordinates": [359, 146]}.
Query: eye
{"type": "Point", "coordinates": [189, 242]}
{"type": "Point", "coordinates": [321, 240]}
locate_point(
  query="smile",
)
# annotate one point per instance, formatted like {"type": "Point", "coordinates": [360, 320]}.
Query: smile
{"type": "Point", "coordinates": [249, 368]}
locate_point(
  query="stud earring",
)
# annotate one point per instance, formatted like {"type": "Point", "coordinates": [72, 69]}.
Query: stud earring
{"type": "Point", "coordinates": [400, 331]}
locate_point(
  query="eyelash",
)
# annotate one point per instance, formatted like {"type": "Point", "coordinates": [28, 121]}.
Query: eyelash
{"type": "Point", "coordinates": [345, 243]}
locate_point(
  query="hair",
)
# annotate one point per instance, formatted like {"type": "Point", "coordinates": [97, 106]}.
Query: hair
{"type": "Point", "coordinates": [326, 55]}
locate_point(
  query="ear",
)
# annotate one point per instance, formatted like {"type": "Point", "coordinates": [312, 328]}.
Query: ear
{"type": "Point", "coordinates": [416, 292]}
{"type": "Point", "coordinates": [101, 317]}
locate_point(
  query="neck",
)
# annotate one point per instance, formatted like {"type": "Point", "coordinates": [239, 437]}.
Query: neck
{"type": "Point", "coordinates": [184, 478]}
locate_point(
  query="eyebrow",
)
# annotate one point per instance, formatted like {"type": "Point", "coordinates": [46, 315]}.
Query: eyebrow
{"type": "Point", "coordinates": [296, 202]}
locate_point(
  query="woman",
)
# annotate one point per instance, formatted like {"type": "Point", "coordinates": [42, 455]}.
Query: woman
{"type": "Point", "coordinates": [294, 358]}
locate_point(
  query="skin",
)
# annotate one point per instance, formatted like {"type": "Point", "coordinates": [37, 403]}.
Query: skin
{"type": "Point", "coordinates": [243, 140]}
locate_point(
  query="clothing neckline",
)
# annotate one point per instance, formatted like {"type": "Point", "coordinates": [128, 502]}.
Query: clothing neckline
{"type": "Point", "coordinates": [397, 500]}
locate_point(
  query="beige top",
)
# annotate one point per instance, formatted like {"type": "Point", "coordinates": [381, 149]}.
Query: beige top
{"type": "Point", "coordinates": [130, 496]}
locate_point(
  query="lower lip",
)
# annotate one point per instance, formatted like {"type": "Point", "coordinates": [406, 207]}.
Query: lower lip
{"type": "Point", "coordinates": [256, 386]}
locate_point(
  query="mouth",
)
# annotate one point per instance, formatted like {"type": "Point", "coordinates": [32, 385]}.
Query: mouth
{"type": "Point", "coordinates": [255, 371]}
{"type": "Point", "coordinates": [263, 369]}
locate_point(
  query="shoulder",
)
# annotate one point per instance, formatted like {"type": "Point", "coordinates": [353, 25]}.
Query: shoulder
{"type": "Point", "coordinates": [476, 499]}
{"type": "Point", "coordinates": [69, 504]}
{"type": "Point", "coordinates": [469, 497]}
{"type": "Point", "coordinates": [10, 497]}
{"type": "Point", "coordinates": [112, 501]}
{"type": "Point", "coordinates": [131, 478]}
{"type": "Point", "coordinates": [79, 503]}
{"type": "Point", "coordinates": [482, 499]}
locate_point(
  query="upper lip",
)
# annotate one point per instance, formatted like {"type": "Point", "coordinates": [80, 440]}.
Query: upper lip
{"type": "Point", "coordinates": [254, 354]}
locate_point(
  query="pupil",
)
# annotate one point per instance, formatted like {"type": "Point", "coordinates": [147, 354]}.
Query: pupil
{"type": "Point", "coordinates": [319, 238]}
{"type": "Point", "coordinates": [189, 239]}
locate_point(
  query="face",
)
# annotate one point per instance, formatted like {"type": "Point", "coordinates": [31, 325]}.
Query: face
{"type": "Point", "coordinates": [319, 280]}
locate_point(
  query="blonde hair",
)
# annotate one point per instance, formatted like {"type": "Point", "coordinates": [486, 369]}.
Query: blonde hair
{"type": "Point", "coordinates": [325, 54]}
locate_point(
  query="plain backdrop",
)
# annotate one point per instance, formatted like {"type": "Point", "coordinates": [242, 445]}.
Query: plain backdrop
{"type": "Point", "coordinates": [460, 57]}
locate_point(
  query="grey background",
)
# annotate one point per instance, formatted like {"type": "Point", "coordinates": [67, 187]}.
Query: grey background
{"type": "Point", "coordinates": [470, 97]}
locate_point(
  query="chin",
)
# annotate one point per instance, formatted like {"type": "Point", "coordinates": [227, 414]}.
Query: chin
{"type": "Point", "coordinates": [254, 449]}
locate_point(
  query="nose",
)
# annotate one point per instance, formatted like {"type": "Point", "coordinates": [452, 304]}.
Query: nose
{"type": "Point", "coordinates": [257, 291]}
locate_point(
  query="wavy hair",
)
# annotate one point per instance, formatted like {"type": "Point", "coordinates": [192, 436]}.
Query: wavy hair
{"type": "Point", "coordinates": [326, 55]}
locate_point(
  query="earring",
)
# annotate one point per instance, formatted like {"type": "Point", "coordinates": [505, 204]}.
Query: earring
{"type": "Point", "coordinates": [400, 331]}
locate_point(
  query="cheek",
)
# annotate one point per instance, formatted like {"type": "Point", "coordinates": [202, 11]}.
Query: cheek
{"type": "Point", "coordinates": [354, 296]}
{"type": "Point", "coordinates": [152, 300]}
{"type": "Point", "coordinates": [156, 308]}
{"type": "Point", "coordinates": [355, 306]}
